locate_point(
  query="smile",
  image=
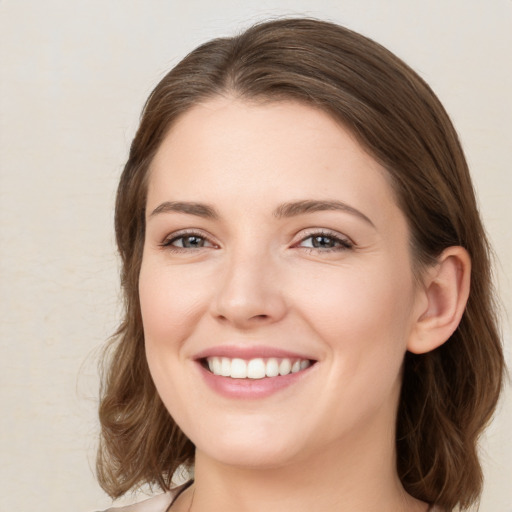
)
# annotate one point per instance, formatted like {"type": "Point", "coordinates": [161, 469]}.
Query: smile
{"type": "Point", "coordinates": [257, 368]}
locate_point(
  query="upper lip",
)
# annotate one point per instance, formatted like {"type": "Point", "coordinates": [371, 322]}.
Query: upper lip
{"type": "Point", "coordinates": [249, 352]}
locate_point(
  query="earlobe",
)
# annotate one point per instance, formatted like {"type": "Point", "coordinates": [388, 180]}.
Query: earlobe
{"type": "Point", "coordinates": [446, 290]}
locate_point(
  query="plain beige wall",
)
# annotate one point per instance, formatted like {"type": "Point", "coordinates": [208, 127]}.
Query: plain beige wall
{"type": "Point", "coordinates": [74, 75]}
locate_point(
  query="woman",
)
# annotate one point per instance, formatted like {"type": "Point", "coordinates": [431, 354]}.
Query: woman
{"type": "Point", "coordinates": [299, 237]}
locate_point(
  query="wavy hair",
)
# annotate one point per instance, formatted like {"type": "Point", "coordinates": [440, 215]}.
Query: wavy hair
{"type": "Point", "coordinates": [448, 395]}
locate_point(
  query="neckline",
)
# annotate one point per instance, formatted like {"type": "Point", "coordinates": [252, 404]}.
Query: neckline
{"type": "Point", "coordinates": [183, 488]}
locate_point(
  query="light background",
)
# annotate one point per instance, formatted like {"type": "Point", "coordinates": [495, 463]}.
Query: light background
{"type": "Point", "coordinates": [74, 76]}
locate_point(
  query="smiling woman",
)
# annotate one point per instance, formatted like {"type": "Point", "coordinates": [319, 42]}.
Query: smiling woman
{"type": "Point", "coordinates": [299, 232]}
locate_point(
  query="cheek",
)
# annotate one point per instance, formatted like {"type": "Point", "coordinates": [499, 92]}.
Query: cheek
{"type": "Point", "coordinates": [170, 303]}
{"type": "Point", "coordinates": [365, 317]}
{"type": "Point", "coordinates": [353, 298]}
{"type": "Point", "coordinates": [364, 322]}
{"type": "Point", "coordinates": [169, 306]}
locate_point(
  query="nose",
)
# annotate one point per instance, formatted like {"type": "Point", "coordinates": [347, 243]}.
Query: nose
{"type": "Point", "coordinates": [249, 292]}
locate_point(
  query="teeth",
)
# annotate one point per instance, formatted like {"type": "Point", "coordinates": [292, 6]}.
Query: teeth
{"type": "Point", "coordinates": [255, 368]}
{"type": "Point", "coordinates": [272, 369]}
{"type": "Point", "coordinates": [304, 364]}
{"type": "Point", "coordinates": [285, 367]}
{"type": "Point", "coordinates": [238, 369]}
{"type": "Point", "coordinates": [216, 365]}
{"type": "Point", "coordinates": [225, 368]}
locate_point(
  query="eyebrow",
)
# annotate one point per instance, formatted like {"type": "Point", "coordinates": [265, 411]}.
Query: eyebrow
{"type": "Point", "coordinates": [191, 208]}
{"type": "Point", "coordinates": [285, 210]}
{"type": "Point", "coordinates": [295, 208]}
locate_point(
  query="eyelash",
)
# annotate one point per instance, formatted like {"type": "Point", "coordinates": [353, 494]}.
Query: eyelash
{"type": "Point", "coordinates": [167, 243]}
{"type": "Point", "coordinates": [343, 244]}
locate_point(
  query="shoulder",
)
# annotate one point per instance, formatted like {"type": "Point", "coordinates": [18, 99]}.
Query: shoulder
{"type": "Point", "coordinates": [159, 503]}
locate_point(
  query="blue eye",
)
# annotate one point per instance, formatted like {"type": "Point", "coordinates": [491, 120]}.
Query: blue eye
{"type": "Point", "coordinates": [326, 242]}
{"type": "Point", "coordinates": [187, 241]}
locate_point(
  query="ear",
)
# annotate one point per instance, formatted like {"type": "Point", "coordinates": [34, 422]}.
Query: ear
{"type": "Point", "coordinates": [444, 295]}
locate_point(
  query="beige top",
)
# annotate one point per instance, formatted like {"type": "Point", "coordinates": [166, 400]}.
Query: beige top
{"type": "Point", "coordinates": [159, 503]}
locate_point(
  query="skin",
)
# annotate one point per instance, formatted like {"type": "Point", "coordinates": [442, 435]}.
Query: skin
{"type": "Point", "coordinates": [327, 441]}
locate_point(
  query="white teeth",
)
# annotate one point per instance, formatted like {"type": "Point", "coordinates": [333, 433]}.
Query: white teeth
{"type": "Point", "coordinates": [216, 365]}
{"type": "Point", "coordinates": [238, 369]}
{"type": "Point", "coordinates": [225, 369]}
{"type": "Point", "coordinates": [272, 369]}
{"type": "Point", "coordinates": [305, 364]}
{"type": "Point", "coordinates": [257, 368]}
{"type": "Point", "coordinates": [285, 367]}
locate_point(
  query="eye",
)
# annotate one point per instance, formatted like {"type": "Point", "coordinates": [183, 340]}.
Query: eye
{"type": "Point", "coordinates": [187, 241]}
{"type": "Point", "coordinates": [325, 241]}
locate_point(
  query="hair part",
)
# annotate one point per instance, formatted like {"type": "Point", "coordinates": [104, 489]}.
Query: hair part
{"type": "Point", "coordinates": [448, 395]}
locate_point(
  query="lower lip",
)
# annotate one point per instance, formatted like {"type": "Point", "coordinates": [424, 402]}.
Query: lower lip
{"type": "Point", "coordinates": [250, 388]}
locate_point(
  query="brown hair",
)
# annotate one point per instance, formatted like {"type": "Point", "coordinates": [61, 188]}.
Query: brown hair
{"type": "Point", "coordinates": [448, 395]}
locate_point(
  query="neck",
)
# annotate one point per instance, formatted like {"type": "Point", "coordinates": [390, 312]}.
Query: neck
{"type": "Point", "coordinates": [354, 476]}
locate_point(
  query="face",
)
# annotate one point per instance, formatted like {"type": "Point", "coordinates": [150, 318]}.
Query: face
{"type": "Point", "coordinates": [276, 286]}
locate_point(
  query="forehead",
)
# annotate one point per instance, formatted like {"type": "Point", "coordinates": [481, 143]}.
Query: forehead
{"type": "Point", "coordinates": [226, 150]}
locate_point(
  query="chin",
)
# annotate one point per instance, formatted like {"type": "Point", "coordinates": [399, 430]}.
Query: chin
{"type": "Point", "coordinates": [250, 458]}
{"type": "Point", "coordinates": [250, 449]}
